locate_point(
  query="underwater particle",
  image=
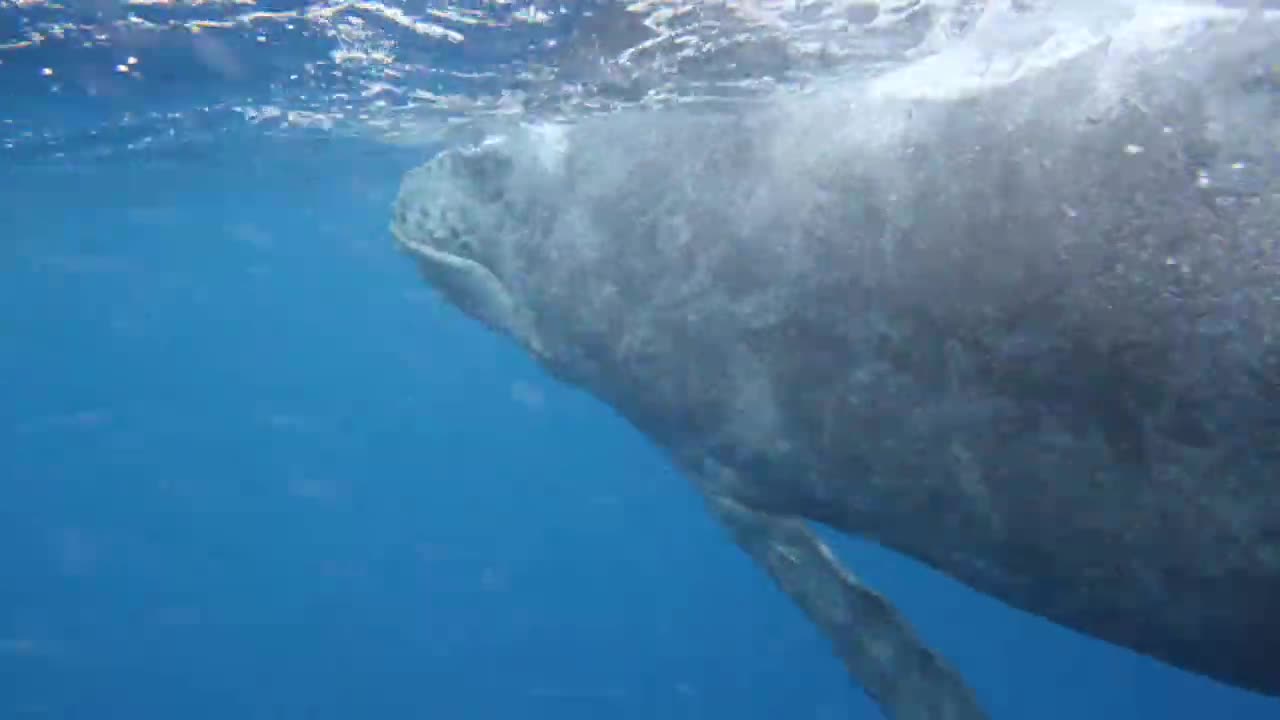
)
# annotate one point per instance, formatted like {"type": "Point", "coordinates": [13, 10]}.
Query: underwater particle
{"type": "Point", "coordinates": [17, 646]}
{"type": "Point", "coordinates": [528, 395]}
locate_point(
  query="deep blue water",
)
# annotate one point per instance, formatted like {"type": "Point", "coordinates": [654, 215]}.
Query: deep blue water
{"type": "Point", "coordinates": [251, 468]}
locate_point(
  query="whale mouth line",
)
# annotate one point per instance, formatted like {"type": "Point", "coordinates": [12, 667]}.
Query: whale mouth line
{"type": "Point", "coordinates": [434, 255]}
{"type": "Point", "coordinates": [460, 277]}
{"type": "Point", "coordinates": [473, 288]}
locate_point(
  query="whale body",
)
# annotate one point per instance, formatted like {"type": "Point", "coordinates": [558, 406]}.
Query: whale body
{"type": "Point", "coordinates": [1014, 314]}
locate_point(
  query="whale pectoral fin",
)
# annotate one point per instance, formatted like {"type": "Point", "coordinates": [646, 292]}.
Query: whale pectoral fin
{"type": "Point", "coordinates": [908, 680]}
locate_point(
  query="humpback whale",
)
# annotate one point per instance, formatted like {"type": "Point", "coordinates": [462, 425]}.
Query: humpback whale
{"type": "Point", "coordinates": [1013, 312]}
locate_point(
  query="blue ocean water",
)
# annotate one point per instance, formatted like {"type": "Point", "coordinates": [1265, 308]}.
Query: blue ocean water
{"type": "Point", "coordinates": [251, 468]}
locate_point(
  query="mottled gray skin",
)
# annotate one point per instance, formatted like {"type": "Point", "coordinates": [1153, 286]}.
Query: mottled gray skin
{"type": "Point", "coordinates": [1029, 335]}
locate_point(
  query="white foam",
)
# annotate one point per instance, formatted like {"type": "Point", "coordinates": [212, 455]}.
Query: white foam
{"type": "Point", "coordinates": [1007, 48]}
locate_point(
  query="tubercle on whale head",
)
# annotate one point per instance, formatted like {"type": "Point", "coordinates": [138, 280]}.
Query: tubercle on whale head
{"type": "Point", "coordinates": [448, 216]}
{"type": "Point", "coordinates": [453, 202]}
